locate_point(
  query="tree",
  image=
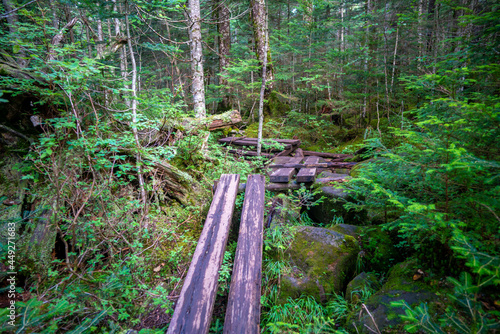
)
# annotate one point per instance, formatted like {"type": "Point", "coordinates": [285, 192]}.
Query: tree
{"type": "Point", "coordinates": [224, 30]}
{"type": "Point", "coordinates": [194, 28]}
{"type": "Point", "coordinates": [259, 21]}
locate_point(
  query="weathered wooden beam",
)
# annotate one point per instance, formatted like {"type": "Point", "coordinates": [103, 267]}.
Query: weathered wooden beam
{"type": "Point", "coordinates": [194, 308]}
{"type": "Point", "coordinates": [285, 174]}
{"type": "Point", "coordinates": [299, 153]}
{"type": "Point", "coordinates": [327, 155]}
{"type": "Point", "coordinates": [249, 153]}
{"type": "Point", "coordinates": [282, 175]}
{"type": "Point", "coordinates": [254, 140]}
{"type": "Point", "coordinates": [243, 307]}
{"type": "Point", "coordinates": [316, 165]}
{"type": "Point", "coordinates": [308, 174]}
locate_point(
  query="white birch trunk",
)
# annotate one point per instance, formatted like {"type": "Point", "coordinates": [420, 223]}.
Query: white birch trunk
{"type": "Point", "coordinates": [197, 86]}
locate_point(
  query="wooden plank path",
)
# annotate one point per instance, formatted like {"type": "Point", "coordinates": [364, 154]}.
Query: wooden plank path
{"type": "Point", "coordinates": [194, 308]}
{"type": "Point", "coordinates": [243, 308]}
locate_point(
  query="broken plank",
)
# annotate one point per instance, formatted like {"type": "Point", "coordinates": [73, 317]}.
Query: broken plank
{"type": "Point", "coordinates": [282, 175]}
{"type": "Point", "coordinates": [299, 153]}
{"type": "Point", "coordinates": [292, 162]}
{"type": "Point", "coordinates": [281, 160]}
{"type": "Point", "coordinates": [243, 307]}
{"type": "Point", "coordinates": [327, 155]}
{"type": "Point", "coordinates": [308, 174]}
{"type": "Point", "coordinates": [194, 308]}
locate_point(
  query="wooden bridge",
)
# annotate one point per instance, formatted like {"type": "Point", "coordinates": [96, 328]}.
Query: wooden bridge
{"type": "Point", "coordinates": [193, 312]}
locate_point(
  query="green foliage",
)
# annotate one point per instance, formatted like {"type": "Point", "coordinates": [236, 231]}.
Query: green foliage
{"type": "Point", "coordinates": [467, 315]}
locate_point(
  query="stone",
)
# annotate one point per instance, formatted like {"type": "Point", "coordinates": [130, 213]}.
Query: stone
{"type": "Point", "coordinates": [399, 286]}
{"type": "Point", "coordinates": [322, 261]}
{"type": "Point", "coordinates": [332, 207]}
{"type": "Point", "coordinates": [364, 281]}
{"type": "Point", "coordinates": [351, 230]}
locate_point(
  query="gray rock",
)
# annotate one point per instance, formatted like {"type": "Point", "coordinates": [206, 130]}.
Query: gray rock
{"type": "Point", "coordinates": [364, 281]}
{"type": "Point", "coordinates": [399, 286]}
{"type": "Point", "coordinates": [351, 230]}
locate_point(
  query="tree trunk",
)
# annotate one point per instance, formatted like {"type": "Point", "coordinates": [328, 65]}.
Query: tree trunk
{"type": "Point", "coordinates": [194, 28]}
{"type": "Point", "coordinates": [12, 20]}
{"type": "Point", "coordinates": [134, 113]}
{"type": "Point", "coordinates": [261, 101]}
{"type": "Point", "coordinates": [223, 27]}
{"type": "Point", "coordinates": [258, 16]}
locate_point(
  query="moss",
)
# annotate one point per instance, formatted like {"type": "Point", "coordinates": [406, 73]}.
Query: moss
{"type": "Point", "coordinates": [277, 108]}
{"type": "Point", "coordinates": [328, 264]}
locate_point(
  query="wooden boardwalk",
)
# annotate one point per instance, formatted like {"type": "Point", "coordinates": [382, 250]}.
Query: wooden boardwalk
{"type": "Point", "coordinates": [194, 308]}
{"type": "Point", "coordinates": [193, 312]}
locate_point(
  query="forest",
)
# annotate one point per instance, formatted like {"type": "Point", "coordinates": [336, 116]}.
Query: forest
{"type": "Point", "coordinates": [109, 159]}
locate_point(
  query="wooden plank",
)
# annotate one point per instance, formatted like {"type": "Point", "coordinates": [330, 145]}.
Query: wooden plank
{"type": "Point", "coordinates": [253, 141]}
{"type": "Point", "coordinates": [316, 165]}
{"type": "Point", "coordinates": [308, 174]}
{"type": "Point", "coordinates": [281, 160]}
{"type": "Point", "coordinates": [282, 175]}
{"type": "Point", "coordinates": [194, 308]}
{"type": "Point", "coordinates": [249, 153]}
{"type": "Point", "coordinates": [299, 153]}
{"type": "Point", "coordinates": [327, 155]}
{"type": "Point", "coordinates": [243, 307]}
{"type": "Point", "coordinates": [292, 162]}
{"type": "Point", "coordinates": [229, 140]}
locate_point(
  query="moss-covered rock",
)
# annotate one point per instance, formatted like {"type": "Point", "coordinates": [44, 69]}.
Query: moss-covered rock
{"type": "Point", "coordinates": [364, 281]}
{"type": "Point", "coordinates": [332, 207]}
{"type": "Point", "coordinates": [322, 260]}
{"type": "Point", "coordinates": [399, 286]}
{"type": "Point", "coordinates": [346, 229]}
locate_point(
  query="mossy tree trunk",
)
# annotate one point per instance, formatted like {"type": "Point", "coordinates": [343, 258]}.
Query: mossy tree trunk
{"type": "Point", "coordinates": [258, 15]}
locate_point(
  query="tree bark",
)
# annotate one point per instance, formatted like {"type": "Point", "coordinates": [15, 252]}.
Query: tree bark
{"type": "Point", "coordinates": [258, 16]}
{"type": "Point", "coordinates": [194, 28]}
{"type": "Point", "coordinates": [224, 29]}
{"type": "Point", "coordinates": [261, 101]}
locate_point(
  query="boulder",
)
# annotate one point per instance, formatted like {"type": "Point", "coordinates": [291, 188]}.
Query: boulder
{"type": "Point", "coordinates": [351, 230]}
{"type": "Point", "coordinates": [322, 262]}
{"type": "Point", "coordinates": [364, 281]}
{"type": "Point", "coordinates": [332, 206]}
{"type": "Point", "coordinates": [382, 315]}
